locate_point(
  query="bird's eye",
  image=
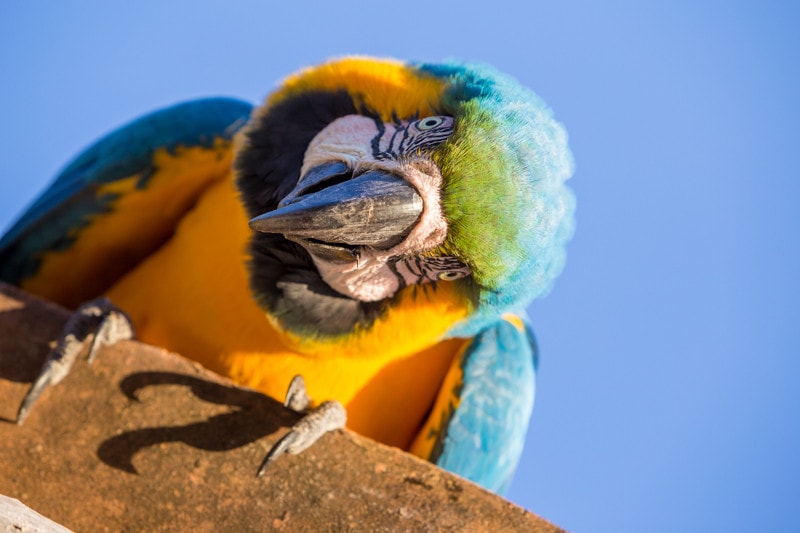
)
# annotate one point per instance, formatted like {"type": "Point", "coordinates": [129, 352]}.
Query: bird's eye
{"type": "Point", "coordinates": [429, 123]}
{"type": "Point", "coordinates": [452, 275]}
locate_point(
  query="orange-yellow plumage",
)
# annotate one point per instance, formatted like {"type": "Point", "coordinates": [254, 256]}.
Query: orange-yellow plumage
{"type": "Point", "coordinates": [137, 222]}
{"type": "Point", "coordinates": [192, 297]}
{"type": "Point", "coordinates": [383, 85]}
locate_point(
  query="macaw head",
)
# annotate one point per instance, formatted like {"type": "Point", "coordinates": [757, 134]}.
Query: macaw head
{"type": "Point", "coordinates": [368, 179]}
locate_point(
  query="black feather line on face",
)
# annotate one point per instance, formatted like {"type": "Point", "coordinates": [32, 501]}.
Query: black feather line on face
{"type": "Point", "coordinates": [283, 277]}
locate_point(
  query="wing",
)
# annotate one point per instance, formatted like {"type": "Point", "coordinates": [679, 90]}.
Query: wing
{"type": "Point", "coordinates": [478, 424]}
{"type": "Point", "coordinates": [120, 200]}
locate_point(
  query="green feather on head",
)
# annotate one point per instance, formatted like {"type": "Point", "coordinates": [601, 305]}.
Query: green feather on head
{"type": "Point", "coordinates": [509, 211]}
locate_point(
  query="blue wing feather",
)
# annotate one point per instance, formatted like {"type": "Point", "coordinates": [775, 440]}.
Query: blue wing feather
{"type": "Point", "coordinates": [483, 437]}
{"type": "Point", "coordinates": [50, 222]}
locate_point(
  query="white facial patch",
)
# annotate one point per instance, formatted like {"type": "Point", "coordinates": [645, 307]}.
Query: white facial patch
{"type": "Point", "coordinates": [347, 139]}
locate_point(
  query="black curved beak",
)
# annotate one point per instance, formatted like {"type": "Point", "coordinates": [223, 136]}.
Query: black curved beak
{"type": "Point", "coordinates": [375, 209]}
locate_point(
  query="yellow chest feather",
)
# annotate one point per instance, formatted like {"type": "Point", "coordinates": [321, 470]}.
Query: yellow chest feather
{"type": "Point", "coordinates": [192, 297]}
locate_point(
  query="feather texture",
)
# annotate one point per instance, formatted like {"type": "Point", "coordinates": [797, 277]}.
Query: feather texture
{"type": "Point", "coordinates": [155, 215]}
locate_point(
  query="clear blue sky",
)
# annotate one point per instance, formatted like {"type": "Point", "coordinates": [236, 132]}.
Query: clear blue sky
{"type": "Point", "coordinates": [670, 347]}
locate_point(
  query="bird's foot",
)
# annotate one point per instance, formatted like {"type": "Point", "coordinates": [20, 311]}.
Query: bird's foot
{"type": "Point", "coordinates": [328, 416]}
{"type": "Point", "coordinates": [100, 317]}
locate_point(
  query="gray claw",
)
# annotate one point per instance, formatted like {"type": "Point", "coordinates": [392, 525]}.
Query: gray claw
{"type": "Point", "coordinates": [325, 418]}
{"type": "Point", "coordinates": [43, 381]}
{"type": "Point", "coordinates": [296, 396]}
{"type": "Point", "coordinates": [116, 326]}
{"type": "Point", "coordinates": [100, 316]}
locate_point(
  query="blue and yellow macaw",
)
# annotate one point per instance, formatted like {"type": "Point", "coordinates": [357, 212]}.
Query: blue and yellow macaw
{"type": "Point", "coordinates": [377, 227]}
